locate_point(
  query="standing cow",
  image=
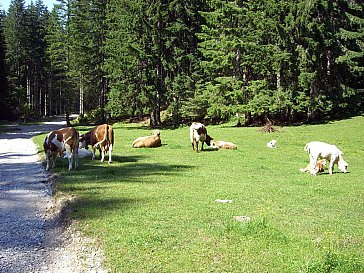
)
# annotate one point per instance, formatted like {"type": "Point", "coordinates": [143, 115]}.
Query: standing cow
{"type": "Point", "coordinates": [58, 141]}
{"type": "Point", "coordinates": [100, 137]}
{"type": "Point", "coordinates": [198, 133]}
{"type": "Point", "coordinates": [318, 149]}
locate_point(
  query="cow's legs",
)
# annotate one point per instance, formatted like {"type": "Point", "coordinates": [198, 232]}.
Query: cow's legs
{"type": "Point", "coordinates": [75, 156]}
{"type": "Point", "coordinates": [313, 161]}
{"type": "Point", "coordinates": [332, 163]}
{"type": "Point", "coordinates": [48, 161]}
{"type": "Point", "coordinates": [69, 153]}
{"type": "Point", "coordinates": [110, 152]}
{"type": "Point", "coordinates": [93, 153]}
{"type": "Point", "coordinates": [102, 153]}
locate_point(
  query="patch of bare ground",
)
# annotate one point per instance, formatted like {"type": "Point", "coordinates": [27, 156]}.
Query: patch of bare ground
{"type": "Point", "coordinates": [71, 251]}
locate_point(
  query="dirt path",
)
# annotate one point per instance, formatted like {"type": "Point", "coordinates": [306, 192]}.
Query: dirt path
{"type": "Point", "coordinates": [32, 235]}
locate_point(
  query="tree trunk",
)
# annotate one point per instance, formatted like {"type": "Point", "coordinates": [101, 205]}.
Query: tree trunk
{"type": "Point", "coordinates": [152, 122]}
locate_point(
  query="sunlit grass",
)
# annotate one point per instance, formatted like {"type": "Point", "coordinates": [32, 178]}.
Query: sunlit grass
{"type": "Point", "coordinates": [155, 210]}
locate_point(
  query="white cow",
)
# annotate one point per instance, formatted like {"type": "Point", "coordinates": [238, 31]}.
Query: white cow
{"type": "Point", "coordinates": [317, 149]}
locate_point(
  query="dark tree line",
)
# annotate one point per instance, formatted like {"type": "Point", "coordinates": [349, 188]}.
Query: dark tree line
{"type": "Point", "coordinates": [188, 59]}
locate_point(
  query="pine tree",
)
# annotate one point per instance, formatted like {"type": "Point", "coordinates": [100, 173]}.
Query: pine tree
{"type": "Point", "coordinates": [4, 91]}
{"type": "Point", "coordinates": [15, 57]}
{"type": "Point", "coordinates": [61, 89]}
{"type": "Point", "coordinates": [351, 55]}
{"type": "Point", "coordinates": [87, 30]}
{"type": "Point", "coordinates": [35, 20]}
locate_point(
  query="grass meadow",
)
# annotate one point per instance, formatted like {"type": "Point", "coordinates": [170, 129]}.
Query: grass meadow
{"type": "Point", "coordinates": [154, 210]}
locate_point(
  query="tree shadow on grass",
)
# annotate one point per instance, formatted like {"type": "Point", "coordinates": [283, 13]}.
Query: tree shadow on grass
{"type": "Point", "coordinates": [90, 182]}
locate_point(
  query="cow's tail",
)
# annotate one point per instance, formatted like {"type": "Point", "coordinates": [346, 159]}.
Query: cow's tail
{"type": "Point", "coordinates": [110, 135]}
{"type": "Point", "coordinates": [105, 137]}
{"type": "Point", "coordinates": [307, 147]}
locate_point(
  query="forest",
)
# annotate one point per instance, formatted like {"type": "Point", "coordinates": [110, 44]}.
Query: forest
{"type": "Point", "coordinates": [181, 60]}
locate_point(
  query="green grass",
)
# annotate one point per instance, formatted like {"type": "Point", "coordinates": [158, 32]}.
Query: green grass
{"type": "Point", "coordinates": [153, 210]}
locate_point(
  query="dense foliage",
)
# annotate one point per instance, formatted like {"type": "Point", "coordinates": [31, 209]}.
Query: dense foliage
{"type": "Point", "coordinates": [193, 59]}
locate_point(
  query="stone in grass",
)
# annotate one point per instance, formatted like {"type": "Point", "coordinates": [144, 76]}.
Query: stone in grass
{"type": "Point", "coordinates": [223, 201]}
{"type": "Point", "coordinates": [242, 218]}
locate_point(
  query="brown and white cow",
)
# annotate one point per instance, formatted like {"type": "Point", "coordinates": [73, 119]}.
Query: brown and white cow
{"type": "Point", "coordinates": [198, 133]}
{"type": "Point", "coordinates": [100, 137]}
{"type": "Point", "coordinates": [58, 141]}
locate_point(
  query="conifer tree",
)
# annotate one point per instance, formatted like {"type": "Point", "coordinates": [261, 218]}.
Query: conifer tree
{"type": "Point", "coordinates": [87, 32]}
{"type": "Point", "coordinates": [351, 55]}
{"type": "Point", "coordinates": [15, 57]}
{"type": "Point", "coordinates": [60, 84]}
{"type": "Point", "coordinates": [4, 91]}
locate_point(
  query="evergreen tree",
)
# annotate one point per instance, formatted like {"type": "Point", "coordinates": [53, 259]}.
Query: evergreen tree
{"type": "Point", "coordinates": [4, 94]}
{"type": "Point", "coordinates": [60, 84]}
{"type": "Point", "coordinates": [35, 21]}
{"type": "Point", "coordinates": [15, 57]}
{"type": "Point", "coordinates": [351, 55]}
{"type": "Point", "coordinates": [87, 32]}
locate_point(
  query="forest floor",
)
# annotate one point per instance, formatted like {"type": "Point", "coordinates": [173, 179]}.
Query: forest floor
{"type": "Point", "coordinates": [35, 233]}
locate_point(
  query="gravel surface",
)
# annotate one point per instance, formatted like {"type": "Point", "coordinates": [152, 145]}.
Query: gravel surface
{"type": "Point", "coordinates": [33, 234]}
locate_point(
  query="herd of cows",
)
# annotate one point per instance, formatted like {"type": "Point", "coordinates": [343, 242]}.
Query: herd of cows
{"type": "Point", "coordinates": [101, 137]}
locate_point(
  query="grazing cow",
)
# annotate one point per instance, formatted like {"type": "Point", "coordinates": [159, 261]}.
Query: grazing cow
{"type": "Point", "coordinates": [320, 165]}
{"type": "Point", "coordinates": [58, 141]}
{"type": "Point", "coordinates": [317, 149]}
{"type": "Point", "coordinates": [224, 145]}
{"type": "Point", "coordinates": [152, 141]}
{"type": "Point", "coordinates": [198, 133]}
{"type": "Point", "coordinates": [100, 137]}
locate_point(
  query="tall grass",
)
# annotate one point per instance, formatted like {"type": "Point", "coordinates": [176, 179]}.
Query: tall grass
{"type": "Point", "coordinates": [154, 210]}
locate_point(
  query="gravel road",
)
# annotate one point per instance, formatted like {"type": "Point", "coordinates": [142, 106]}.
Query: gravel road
{"type": "Point", "coordinates": [32, 235]}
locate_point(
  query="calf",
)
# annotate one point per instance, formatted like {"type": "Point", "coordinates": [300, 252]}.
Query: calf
{"type": "Point", "coordinates": [148, 141]}
{"type": "Point", "coordinates": [58, 141]}
{"type": "Point", "coordinates": [100, 137]}
{"type": "Point", "coordinates": [317, 149]}
{"type": "Point", "coordinates": [198, 133]}
{"type": "Point", "coordinates": [319, 167]}
{"type": "Point", "coordinates": [224, 145]}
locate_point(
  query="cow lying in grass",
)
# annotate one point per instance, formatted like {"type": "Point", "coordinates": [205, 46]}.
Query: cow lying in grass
{"type": "Point", "coordinates": [60, 141]}
{"type": "Point", "coordinates": [320, 165]}
{"type": "Point", "coordinates": [272, 144]}
{"type": "Point", "coordinates": [100, 137]}
{"type": "Point", "coordinates": [224, 145]}
{"type": "Point", "coordinates": [317, 149]}
{"type": "Point", "coordinates": [152, 141]}
{"type": "Point", "coordinates": [198, 133]}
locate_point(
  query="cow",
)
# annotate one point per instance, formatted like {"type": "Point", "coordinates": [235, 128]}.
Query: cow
{"type": "Point", "coordinates": [152, 141]}
{"type": "Point", "coordinates": [198, 133]}
{"type": "Point", "coordinates": [317, 149]}
{"type": "Point", "coordinates": [224, 145]}
{"type": "Point", "coordinates": [60, 141]}
{"type": "Point", "coordinates": [101, 137]}
{"type": "Point", "coordinates": [272, 144]}
{"type": "Point", "coordinates": [320, 165]}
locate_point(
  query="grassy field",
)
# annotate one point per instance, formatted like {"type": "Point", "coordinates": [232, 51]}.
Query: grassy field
{"type": "Point", "coordinates": [154, 210]}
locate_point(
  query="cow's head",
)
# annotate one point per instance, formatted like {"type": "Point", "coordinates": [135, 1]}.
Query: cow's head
{"type": "Point", "coordinates": [208, 140]}
{"type": "Point", "coordinates": [343, 165]}
{"type": "Point", "coordinates": [156, 133]}
{"type": "Point", "coordinates": [83, 141]}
